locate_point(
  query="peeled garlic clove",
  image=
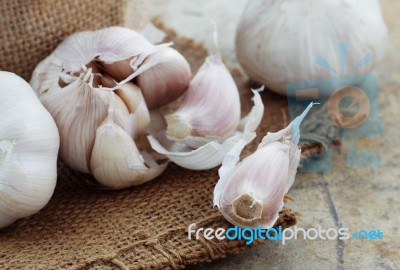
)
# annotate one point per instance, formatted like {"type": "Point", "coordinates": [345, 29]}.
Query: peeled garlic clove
{"type": "Point", "coordinates": [167, 80]}
{"type": "Point", "coordinates": [201, 113]}
{"type": "Point", "coordinates": [211, 153]}
{"type": "Point", "coordinates": [275, 49]}
{"type": "Point", "coordinates": [29, 144]}
{"type": "Point", "coordinates": [116, 161]}
{"type": "Point", "coordinates": [250, 193]}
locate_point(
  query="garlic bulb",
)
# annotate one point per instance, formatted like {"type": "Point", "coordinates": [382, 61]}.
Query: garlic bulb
{"type": "Point", "coordinates": [76, 83]}
{"type": "Point", "coordinates": [95, 141]}
{"type": "Point", "coordinates": [250, 193]}
{"type": "Point", "coordinates": [29, 144]}
{"type": "Point", "coordinates": [281, 42]}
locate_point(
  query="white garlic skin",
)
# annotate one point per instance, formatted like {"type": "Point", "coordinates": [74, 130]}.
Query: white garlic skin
{"type": "Point", "coordinates": [110, 46]}
{"type": "Point", "coordinates": [166, 81]}
{"type": "Point", "coordinates": [29, 144]}
{"type": "Point", "coordinates": [78, 109]}
{"type": "Point", "coordinates": [278, 42]}
{"type": "Point", "coordinates": [198, 153]}
{"type": "Point", "coordinates": [116, 161]}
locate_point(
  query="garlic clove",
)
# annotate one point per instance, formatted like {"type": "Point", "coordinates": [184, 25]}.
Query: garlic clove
{"type": "Point", "coordinates": [139, 115]}
{"type": "Point", "coordinates": [250, 193]}
{"type": "Point", "coordinates": [208, 153]}
{"type": "Point", "coordinates": [78, 109]}
{"type": "Point", "coordinates": [116, 161]}
{"type": "Point", "coordinates": [140, 119]}
{"type": "Point", "coordinates": [131, 112]}
{"type": "Point", "coordinates": [122, 116]}
{"type": "Point", "coordinates": [201, 114]}
{"type": "Point", "coordinates": [166, 81]}
{"type": "Point", "coordinates": [131, 95]}
{"type": "Point", "coordinates": [247, 124]}
{"type": "Point", "coordinates": [119, 70]}
{"type": "Point", "coordinates": [29, 144]}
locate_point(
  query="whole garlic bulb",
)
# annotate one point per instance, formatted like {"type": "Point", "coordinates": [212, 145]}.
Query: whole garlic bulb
{"type": "Point", "coordinates": [279, 42]}
{"type": "Point", "coordinates": [250, 193]}
{"type": "Point", "coordinates": [29, 144]}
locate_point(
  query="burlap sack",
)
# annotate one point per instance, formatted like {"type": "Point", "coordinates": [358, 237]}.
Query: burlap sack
{"type": "Point", "coordinates": [84, 227]}
{"type": "Point", "coordinates": [31, 29]}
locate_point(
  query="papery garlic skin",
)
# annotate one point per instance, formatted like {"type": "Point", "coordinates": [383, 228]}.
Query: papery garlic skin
{"type": "Point", "coordinates": [167, 80]}
{"type": "Point", "coordinates": [203, 154]}
{"type": "Point", "coordinates": [119, 52]}
{"type": "Point", "coordinates": [108, 45]}
{"type": "Point", "coordinates": [210, 106]}
{"type": "Point", "coordinates": [29, 144]}
{"type": "Point", "coordinates": [250, 193]}
{"type": "Point", "coordinates": [279, 42]}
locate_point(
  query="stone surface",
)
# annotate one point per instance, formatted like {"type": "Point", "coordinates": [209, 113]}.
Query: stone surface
{"type": "Point", "coordinates": [352, 198]}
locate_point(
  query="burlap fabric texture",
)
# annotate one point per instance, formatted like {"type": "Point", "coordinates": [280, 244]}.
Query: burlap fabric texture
{"type": "Point", "coordinates": [85, 227]}
{"type": "Point", "coordinates": [31, 29]}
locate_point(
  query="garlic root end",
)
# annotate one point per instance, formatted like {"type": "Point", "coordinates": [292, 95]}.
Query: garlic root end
{"type": "Point", "coordinates": [178, 127]}
{"type": "Point", "coordinates": [246, 210]}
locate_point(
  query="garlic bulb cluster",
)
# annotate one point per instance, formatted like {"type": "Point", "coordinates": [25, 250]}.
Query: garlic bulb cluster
{"type": "Point", "coordinates": [250, 193]}
{"type": "Point", "coordinates": [207, 123]}
{"type": "Point", "coordinates": [29, 144]}
{"type": "Point", "coordinates": [281, 42]}
{"type": "Point", "coordinates": [99, 129]}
